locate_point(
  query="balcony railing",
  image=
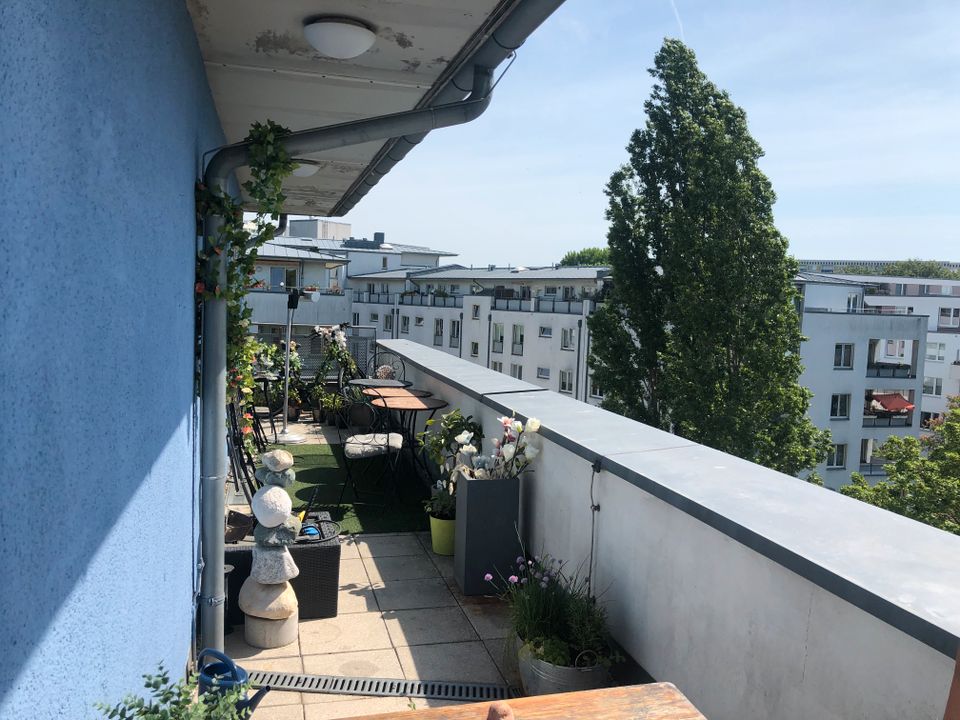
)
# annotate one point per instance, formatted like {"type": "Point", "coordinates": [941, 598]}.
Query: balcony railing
{"type": "Point", "coordinates": [538, 304]}
{"type": "Point", "coordinates": [891, 371]}
{"type": "Point", "coordinates": [891, 421]}
{"type": "Point", "coordinates": [516, 348]}
{"type": "Point", "coordinates": [497, 346]}
{"type": "Point", "coordinates": [375, 297]}
{"type": "Point", "coordinates": [737, 560]}
{"type": "Point", "coordinates": [426, 300]}
{"type": "Point", "coordinates": [454, 341]}
{"type": "Point", "coordinates": [438, 340]}
{"type": "Point", "coordinates": [873, 468]}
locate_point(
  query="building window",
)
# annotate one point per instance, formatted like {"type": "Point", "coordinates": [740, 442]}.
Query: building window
{"type": "Point", "coordinates": [496, 365]}
{"type": "Point", "coordinates": [388, 323]}
{"type": "Point", "coordinates": [566, 339]}
{"type": "Point", "coordinates": [438, 331]}
{"type": "Point", "coordinates": [517, 347]}
{"type": "Point", "coordinates": [474, 349]}
{"type": "Point", "coordinates": [949, 317]}
{"type": "Point", "coordinates": [569, 292]}
{"type": "Point", "coordinates": [837, 458]}
{"type": "Point", "coordinates": [853, 302]}
{"type": "Point", "coordinates": [543, 373]}
{"type": "Point", "coordinates": [282, 278]}
{"type": "Point", "coordinates": [566, 381]}
{"type": "Point", "coordinates": [595, 390]}
{"type": "Point", "coordinates": [355, 320]}
{"type": "Point", "coordinates": [497, 337]}
{"type": "Point", "coordinates": [546, 331]}
{"type": "Point", "coordinates": [383, 263]}
{"type": "Point", "coordinates": [933, 386]}
{"type": "Point", "coordinates": [454, 333]}
{"type": "Point", "coordinates": [843, 356]}
{"type": "Point", "coordinates": [840, 407]}
{"type": "Point", "coordinates": [371, 287]}
{"type": "Point", "coordinates": [475, 313]}
{"type": "Point", "coordinates": [895, 348]}
{"type": "Point", "coordinates": [374, 318]}
{"type": "Point", "coordinates": [405, 324]}
{"type": "Point", "coordinates": [929, 417]}
{"type": "Point", "coordinates": [936, 351]}
{"type": "Point", "coordinates": [516, 371]}
{"type": "Point", "coordinates": [454, 289]}
{"type": "Point", "coordinates": [418, 321]}
{"type": "Point", "coordinates": [550, 291]}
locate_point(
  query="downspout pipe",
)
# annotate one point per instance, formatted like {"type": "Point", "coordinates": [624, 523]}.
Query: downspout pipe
{"type": "Point", "coordinates": [213, 444]}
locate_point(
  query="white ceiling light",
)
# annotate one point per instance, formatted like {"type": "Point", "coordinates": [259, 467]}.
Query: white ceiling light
{"type": "Point", "coordinates": [304, 168]}
{"type": "Point", "coordinates": [339, 37]}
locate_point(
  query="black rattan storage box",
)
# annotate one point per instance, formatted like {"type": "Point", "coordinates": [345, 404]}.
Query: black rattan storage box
{"type": "Point", "coordinates": [316, 586]}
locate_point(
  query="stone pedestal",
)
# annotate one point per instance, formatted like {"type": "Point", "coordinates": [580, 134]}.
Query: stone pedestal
{"type": "Point", "coordinates": [266, 597]}
{"type": "Point", "coordinates": [263, 633]}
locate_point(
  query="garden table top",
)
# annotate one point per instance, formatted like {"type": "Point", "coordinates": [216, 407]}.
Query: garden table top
{"type": "Point", "coordinates": [396, 392]}
{"type": "Point", "coordinates": [409, 402]}
{"type": "Point", "coordinates": [656, 701]}
{"type": "Point", "coordinates": [377, 383]}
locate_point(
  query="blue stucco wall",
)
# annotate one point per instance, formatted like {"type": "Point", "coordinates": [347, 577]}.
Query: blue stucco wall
{"type": "Point", "coordinates": [104, 114]}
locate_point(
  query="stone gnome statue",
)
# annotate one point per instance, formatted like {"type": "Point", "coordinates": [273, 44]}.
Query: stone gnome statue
{"type": "Point", "coordinates": [266, 596]}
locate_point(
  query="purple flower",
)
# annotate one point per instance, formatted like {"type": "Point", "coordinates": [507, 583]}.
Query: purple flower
{"type": "Point", "coordinates": [520, 560]}
{"type": "Point", "coordinates": [513, 579]}
{"type": "Point", "coordinates": [488, 577]}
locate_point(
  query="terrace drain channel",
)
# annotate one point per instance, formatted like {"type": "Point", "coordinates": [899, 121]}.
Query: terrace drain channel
{"type": "Point", "coordinates": [381, 687]}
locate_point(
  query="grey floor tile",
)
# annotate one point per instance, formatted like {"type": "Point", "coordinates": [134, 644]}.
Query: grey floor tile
{"type": "Point", "coordinates": [430, 626]}
{"type": "Point", "coordinates": [367, 663]}
{"type": "Point", "coordinates": [453, 662]}
{"type": "Point", "coordinates": [388, 545]}
{"type": "Point", "coordinates": [412, 594]}
{"type": "Point", "coordinates": [401, 567]}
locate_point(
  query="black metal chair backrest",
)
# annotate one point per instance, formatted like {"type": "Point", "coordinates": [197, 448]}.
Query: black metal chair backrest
{"type": "Point", "coordinates": [241, 461]}
{"type": "Point", "coordinates": [386, 365]}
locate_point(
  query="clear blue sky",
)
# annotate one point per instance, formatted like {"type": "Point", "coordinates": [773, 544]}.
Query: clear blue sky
{"type": "Point", "coordinates": [857, 105]}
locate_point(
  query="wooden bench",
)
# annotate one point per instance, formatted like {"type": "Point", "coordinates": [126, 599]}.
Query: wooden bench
{"type": "Point", "coordinates": [656, 701]}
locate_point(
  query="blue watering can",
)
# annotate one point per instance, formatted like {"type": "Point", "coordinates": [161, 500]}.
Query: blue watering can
{"type": "Point", "coordinates": [225, 675]}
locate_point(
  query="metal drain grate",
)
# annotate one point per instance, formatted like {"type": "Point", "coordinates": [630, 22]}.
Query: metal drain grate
{"type": "Point", "coordinates": [381, 687]}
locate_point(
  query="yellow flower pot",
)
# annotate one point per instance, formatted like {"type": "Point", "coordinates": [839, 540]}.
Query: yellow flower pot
{"type": "Point", "coordinates": [441, 535]}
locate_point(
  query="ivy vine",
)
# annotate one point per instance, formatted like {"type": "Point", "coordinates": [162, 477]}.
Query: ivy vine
{"type": "Point", "coordinates": [269, 164]}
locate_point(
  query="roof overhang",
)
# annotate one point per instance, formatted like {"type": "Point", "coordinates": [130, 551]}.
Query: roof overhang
{"type": "Point", "coordinates": [260, 66]}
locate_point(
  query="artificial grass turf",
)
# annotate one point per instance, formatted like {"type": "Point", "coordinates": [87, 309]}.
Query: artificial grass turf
{"type": "Point", "coordinates": [321, 468]}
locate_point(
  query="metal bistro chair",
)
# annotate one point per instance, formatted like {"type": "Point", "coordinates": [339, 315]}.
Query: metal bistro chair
{"type": "Point", "coordinates": [384, 364]}
{"type": "Point", "coordinates": [373, 440]}
{"type": "Point", "coordinates": [242, 464]}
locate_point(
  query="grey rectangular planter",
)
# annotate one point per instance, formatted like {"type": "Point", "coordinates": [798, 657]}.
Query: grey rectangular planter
{"type": "Point", "coordinates": [486, 535]}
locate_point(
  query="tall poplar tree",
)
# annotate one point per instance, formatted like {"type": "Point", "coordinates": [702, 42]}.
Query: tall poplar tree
{"type": "Point", "coordinates": [701, 335]}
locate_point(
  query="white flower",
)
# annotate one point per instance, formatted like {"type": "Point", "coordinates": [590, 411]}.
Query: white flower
{"type": "Point", "coordinates": [533, 425]}
{"type": "Point", "coordinates": [463, 438]}
{"type": "Point", "coordinates": [316, 329]}
{"type": "Point", "coordinates": [481, 474]}
{"type": "Point", "coordinates": [517, 426]}
{"type": "Point", "coordinates": [531, 451]}
{"type": "Point", "coordinates": [468, 450]}
{"type": "Point", "coordinates": [508, 451]}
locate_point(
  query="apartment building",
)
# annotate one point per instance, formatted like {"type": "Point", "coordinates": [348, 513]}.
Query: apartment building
{"type": "Point", "coordinates": [939, 301]}
{"type": "Point", "coordinates": [529, 323]}
{"type": "Point", "coordinates": [879, 266]}
{"type": "Point", "coordinates": [865, 366]}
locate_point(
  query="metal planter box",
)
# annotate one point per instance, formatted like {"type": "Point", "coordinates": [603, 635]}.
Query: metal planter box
{"type": "Point", "coordinates": [486, 535]}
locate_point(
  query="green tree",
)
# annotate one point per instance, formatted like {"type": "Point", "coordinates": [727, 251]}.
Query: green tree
{"type": "Point", "coordinates": [914, 267]}
{"type": "Point", "coordinates": [588, 257]}
{"type": "Point", "coordinates": [923, 476]}
{"type": "Point", "coordinates": [701, 335]}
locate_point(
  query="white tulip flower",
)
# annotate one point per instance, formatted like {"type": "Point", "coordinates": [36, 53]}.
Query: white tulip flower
{"type": "Point", "coordinates": [508, 451]}
{"type": "Point", "coordinates": [533, 425]}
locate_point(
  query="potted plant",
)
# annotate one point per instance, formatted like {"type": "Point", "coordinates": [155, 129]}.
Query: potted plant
{"type": "Point", "coordinates": [563, 644]}
{"type": "Point", "coordinates": [180, 700]}
{"type": "Point", "coordinates": [488, 501]}
{"type": "Point", "coordinates": [442, 442]}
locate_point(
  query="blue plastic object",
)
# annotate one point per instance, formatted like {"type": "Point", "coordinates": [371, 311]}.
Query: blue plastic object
{"type": "Point", "coordinates": [225, 675]}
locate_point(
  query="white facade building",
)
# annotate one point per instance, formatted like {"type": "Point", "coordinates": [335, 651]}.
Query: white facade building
{"type": "Point", "coordinates": [865, 368]}
{"type": "Point", "coordinates": [939, 301]}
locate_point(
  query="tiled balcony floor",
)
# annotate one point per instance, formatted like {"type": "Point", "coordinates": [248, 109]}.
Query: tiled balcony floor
{"type": "Point", "coordinates": [400, 615]}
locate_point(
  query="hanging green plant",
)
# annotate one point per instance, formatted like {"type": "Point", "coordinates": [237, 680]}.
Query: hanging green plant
{"type": "Point", "coordinates": [269, 164]}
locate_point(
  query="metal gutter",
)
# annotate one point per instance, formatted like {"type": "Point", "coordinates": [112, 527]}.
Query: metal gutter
{"type": "Point", "coordinates": [500, 43]}
{"type": "Point", "coordinates": [213, 444]}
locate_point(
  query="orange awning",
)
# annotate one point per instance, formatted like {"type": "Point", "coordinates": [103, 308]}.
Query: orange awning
{"type": "Point", "coordinates": [893, 402]}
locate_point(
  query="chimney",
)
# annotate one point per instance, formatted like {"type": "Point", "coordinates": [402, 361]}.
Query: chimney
{"type": "Point", "coordinates": [378, 239]}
